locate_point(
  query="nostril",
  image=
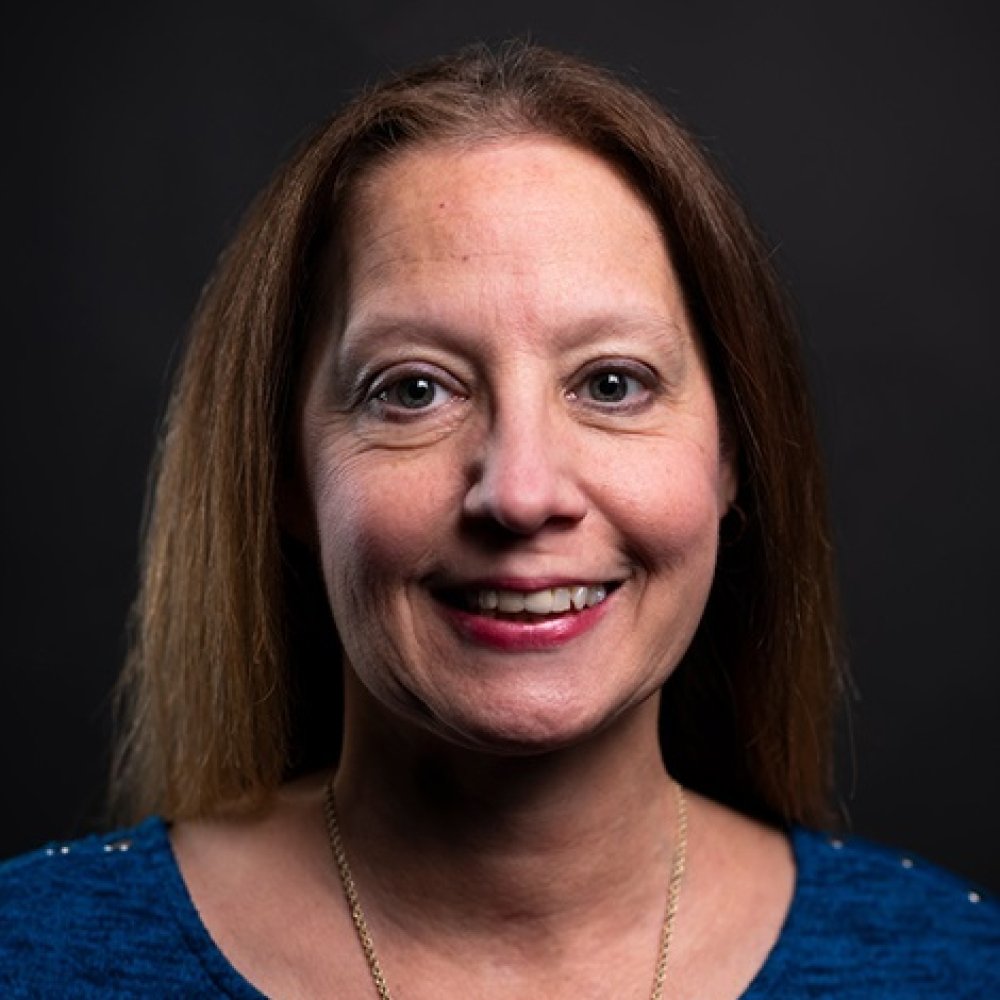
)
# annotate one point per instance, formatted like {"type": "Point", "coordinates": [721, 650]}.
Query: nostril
{"type": "Point", "coordinates": [523, 510]}
{"type": "Point", "coordinates": [521, 479]}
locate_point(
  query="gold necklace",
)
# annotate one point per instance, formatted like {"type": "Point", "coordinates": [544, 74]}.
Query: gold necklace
{"type": "Point", "coordinates": [677, 866]}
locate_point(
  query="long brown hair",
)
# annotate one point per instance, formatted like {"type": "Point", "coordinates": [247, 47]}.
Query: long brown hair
{"type": "Point", "coordinates": [232, 682]}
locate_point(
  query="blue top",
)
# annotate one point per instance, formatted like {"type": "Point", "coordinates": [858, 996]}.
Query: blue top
{"type": "Point", "coordinates": [111, 917]}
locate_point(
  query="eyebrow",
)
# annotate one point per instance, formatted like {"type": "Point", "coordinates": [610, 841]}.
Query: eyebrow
{"type": "Point", "coordinates": [671, 334]}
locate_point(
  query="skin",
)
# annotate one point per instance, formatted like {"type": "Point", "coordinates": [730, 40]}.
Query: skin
{"type": "Point", "coordinates": [492, 283]}
{"type": "Point", "coordinates": [506, 811]}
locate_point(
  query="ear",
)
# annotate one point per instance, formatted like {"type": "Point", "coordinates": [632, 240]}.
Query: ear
{"type": "Point", "coordinates": [729, 463]}
{"type": "Point", "coordinates": [729, 482]}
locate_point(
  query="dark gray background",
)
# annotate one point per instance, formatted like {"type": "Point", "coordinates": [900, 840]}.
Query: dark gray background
{"type": "Point", "coordinates": [863, 137]}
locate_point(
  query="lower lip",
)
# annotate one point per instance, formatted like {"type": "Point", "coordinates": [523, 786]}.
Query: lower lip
{"type": "Point", "coordinates": [509, 636]}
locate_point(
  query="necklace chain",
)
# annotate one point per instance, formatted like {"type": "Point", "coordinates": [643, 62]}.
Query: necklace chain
{"type": "Point", "coordinates": [678, 865]}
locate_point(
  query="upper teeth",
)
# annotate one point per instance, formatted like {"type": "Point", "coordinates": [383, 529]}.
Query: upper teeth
{"type": "Point", "coordinates": [540, 602]}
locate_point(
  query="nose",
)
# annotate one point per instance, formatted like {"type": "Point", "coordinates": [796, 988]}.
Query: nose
{"type": "Point", "coordinates": [525, 477]}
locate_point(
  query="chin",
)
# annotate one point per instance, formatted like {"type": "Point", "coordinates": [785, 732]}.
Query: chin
{"type": "Point", "coordinates": [526, 731]}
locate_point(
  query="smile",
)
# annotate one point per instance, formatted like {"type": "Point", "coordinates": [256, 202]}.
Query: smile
{"type": "Point", "coordinates": [510, 620]}
{"type": "Point", "coordinates": [550, 600]}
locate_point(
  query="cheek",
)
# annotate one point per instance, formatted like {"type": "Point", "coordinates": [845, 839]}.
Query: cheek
{"type": "Point", "coordinates": [669, 500]}
{"type": "Point", "coordinates": [376, 516]}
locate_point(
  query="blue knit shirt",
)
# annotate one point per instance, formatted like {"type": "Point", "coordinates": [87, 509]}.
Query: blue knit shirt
{"type": "Point", "coordinates": [111, 917]}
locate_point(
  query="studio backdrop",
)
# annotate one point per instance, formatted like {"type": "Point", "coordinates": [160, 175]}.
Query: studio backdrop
{"type": "Point", "coordinates": [864, 138]}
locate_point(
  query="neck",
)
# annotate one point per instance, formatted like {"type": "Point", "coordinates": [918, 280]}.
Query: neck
{"type": "Point", "coordinates": [440, 838]}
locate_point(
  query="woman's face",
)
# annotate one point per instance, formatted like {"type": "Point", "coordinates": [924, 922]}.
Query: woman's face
{"type": "Point", "coordinates": [511, 448]}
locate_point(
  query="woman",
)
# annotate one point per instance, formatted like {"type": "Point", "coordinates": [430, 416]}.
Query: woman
{"type": "Point", "coordinates": [492, 416]}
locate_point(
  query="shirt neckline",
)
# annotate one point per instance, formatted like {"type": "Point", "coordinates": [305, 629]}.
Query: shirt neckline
{"type": "Point", "coordinates": [231, 981]}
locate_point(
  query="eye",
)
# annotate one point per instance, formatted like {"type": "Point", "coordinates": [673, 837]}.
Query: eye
{"type": "Point", "coordinates": [399, 395]}
{"type": "Point", "coordinates": [417, 392]}
{"type": "Point", "coordinates": [613, 387]}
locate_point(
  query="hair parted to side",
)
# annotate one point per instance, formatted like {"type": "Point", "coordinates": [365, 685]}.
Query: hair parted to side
{"type": "Point", "coordinates": [232, 683]}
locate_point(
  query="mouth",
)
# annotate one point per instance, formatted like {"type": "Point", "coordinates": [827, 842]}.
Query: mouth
{"type": "Point", "coordinates": [528, 605]}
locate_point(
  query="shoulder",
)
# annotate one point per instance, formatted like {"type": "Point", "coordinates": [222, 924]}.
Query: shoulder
{"type": "Point", "coordinates": [882, 886]}
{"type": "Point", "coordinates": [77, 882]}
{"type": "Point", "coordinates": [103, 916]}
{"type": "Point", "coordinates": [882, 922]}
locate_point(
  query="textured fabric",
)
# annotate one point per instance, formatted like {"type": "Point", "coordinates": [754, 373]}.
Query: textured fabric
{"type": "Point", "coordinates": [867, 922]}
{"type": "Point", "coordinates": [111, 917]}
{"type": "Point", "coordinates": [107, 917]}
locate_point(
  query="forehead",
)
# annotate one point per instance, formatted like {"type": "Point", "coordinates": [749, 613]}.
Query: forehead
{"type": "Point", "coordinates": [441, 185]}
{"type": "Point", "coordinates": [528, 221]}
{"type": "Point", "coordinates": [503, 168]}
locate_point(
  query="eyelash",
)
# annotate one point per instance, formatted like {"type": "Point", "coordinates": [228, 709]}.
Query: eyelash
{"type": "Point", "coordinates": [638, 379]}
{"type": "Point", "coordinates": [378, 397]}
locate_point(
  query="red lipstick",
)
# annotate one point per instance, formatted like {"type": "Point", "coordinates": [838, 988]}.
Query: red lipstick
{"type": "Point", "coordinates": [518, 635]}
